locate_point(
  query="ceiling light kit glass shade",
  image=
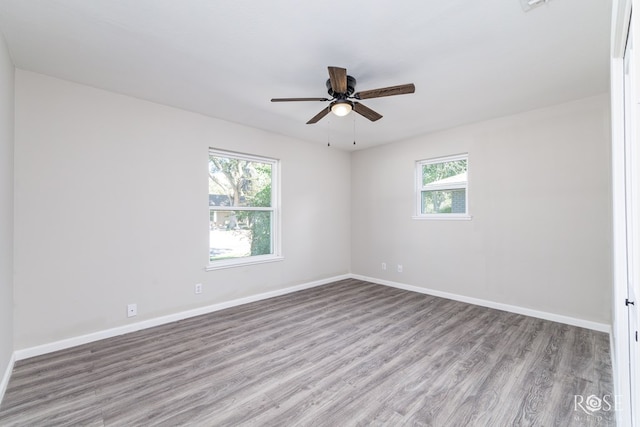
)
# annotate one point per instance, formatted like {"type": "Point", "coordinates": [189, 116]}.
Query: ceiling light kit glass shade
{"type": "Point", "coordinates": [341, 108]}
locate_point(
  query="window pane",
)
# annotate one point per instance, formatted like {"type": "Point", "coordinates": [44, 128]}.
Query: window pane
{"type": "Point", "coordinates": [237, 234]}
{"type": "Point", "coordinates": [239, 182]}
{"type": "Point", "coordinates": [445, 172]}
{"type": "Point", "coordinates": [444, 201]}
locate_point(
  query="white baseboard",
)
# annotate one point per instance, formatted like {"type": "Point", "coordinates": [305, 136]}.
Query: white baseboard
{"type": "Point", "coordinates": [121, 330]}
{"type": "Point", "coordinates": [7, 376]}
{"type": "Point", "coordinates": [600, 327]}
{"type": "Point", "coordinates": [108, 333]}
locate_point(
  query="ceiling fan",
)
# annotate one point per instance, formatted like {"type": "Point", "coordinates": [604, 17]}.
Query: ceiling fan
{"type": "Point", "coordinates": [341, 88]}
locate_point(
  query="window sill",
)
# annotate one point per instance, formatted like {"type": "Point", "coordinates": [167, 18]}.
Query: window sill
{"type": "Point", "coordinates": [242, 262]}
{"type": "Point", "coordinates": [444, 217]}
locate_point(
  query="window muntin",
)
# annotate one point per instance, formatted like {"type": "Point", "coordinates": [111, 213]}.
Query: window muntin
{"type": "Point", "coordinates": [441, 185]}
{"type": "Point", "coordinates": [243, 209]}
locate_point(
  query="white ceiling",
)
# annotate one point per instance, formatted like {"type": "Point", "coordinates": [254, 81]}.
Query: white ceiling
{"type": "Point", "coordinates": [470, 60]}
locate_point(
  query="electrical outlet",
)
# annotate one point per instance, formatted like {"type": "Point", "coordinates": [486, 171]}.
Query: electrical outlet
{"type": "Point", "coordinates": [132, 310]}
{"type": "Point", "coordinates": [198, 288]}
{"type": "Point", "coordinates": [399, 268]}
{"type": "Point", "coordinates": [384, 265]}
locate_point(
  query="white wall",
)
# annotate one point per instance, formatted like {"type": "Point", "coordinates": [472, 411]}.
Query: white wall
{"type": "Point", "coordinates": [6, 208]}
{"type": "Point", "coordinates": [539, 193]}
{"type": "Point", "coordinates": [111, 208]}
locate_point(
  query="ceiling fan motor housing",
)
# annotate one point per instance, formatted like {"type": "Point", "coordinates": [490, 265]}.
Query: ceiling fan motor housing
{"type": "Point", "coordinates": [351, 88]}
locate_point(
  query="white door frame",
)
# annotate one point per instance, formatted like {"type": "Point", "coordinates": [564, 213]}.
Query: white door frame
{"type": "Point", "coordinates": [621, 21]}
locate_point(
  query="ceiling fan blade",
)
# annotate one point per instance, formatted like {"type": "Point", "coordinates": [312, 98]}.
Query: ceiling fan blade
{"type": "Point", "coordinates": [386, 91]}
{"type": "Point", "coordinates": [297, 99]}
{"type": "Point", "coordinates": [338, 77]}
{"type": "Point", "coordinates": [318, 116]}
{"type": "Point", "coordinates": [366, 112]}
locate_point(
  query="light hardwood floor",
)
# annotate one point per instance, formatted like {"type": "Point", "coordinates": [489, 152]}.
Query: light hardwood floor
{"type": "Point", "coordinates": [349, 353]}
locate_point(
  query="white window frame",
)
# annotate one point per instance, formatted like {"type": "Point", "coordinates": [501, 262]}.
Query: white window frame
{"type": "Point", "coordinates": [276, 252]}
{"type": "Point", "coordinates": [419, 188]}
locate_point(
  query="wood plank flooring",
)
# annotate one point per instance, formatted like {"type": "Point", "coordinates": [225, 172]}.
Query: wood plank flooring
{"type": "Point", "coordinates": [346, 354]}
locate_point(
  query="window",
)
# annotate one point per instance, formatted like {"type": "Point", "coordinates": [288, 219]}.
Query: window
{"type": "Point", "coordinates": [441, 188]}
{"type": "Point", "coordinates": [243, 209]}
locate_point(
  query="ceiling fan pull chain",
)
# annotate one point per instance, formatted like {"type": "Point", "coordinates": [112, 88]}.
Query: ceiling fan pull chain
{"type": "Point", "coordinates": [354, 129]}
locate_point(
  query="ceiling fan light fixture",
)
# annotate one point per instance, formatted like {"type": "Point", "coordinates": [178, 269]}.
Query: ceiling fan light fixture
{"type": "Point", "coordinates": [341, 108]}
